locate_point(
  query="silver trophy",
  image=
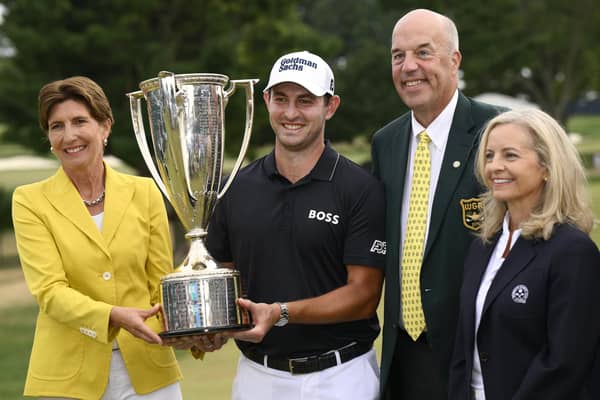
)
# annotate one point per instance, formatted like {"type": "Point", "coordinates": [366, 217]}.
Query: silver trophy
{"type": "Point", "coordinates": [187, 125]}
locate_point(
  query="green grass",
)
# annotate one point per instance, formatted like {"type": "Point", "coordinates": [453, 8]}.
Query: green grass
{"type": "Point", "coordinates": [586, 125]}
{"type": "Point", "coordinates": [594, 188]}
{"type": "Point", "coordinates": [10, 149]}
{"type": "Point", "coordinates": [589, 129]}
{"type": "Point", "coordinates": [11, 179]}
{"type": "Point", "coordinates": [210, 378]}
{"type": "Point", "coordinates": [16, 336]}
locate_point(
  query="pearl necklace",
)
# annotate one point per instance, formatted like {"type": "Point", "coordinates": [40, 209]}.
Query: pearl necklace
{"type": "Point", "coordinates": [97, 200]}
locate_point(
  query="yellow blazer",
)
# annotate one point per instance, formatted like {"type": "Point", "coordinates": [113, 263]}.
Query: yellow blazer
{"type": "Point", "coordinates": [77, 274]}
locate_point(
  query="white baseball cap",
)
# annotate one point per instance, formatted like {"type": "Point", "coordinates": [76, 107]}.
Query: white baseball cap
{"type": "Point", "coordinates": [304, 68]}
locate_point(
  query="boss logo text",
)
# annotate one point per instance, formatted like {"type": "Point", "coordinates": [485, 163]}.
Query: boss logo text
{"type": "Point", "coordinates": [324, 216]}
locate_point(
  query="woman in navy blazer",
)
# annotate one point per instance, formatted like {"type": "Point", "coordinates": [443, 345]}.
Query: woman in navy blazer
{"type": "Point", "coordinates": [528, 325]}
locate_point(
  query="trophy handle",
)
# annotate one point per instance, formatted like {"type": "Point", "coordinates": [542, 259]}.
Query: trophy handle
{"type": "Point", "coordinates": [249, 86]}
{"type": "Point", "coordinates": [135, 105]}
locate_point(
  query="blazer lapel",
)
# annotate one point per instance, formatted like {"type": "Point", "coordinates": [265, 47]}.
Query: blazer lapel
{"type": "Point", "coordinates": [393, 156]}
{"type": "Point", "coordinates": [398, 157]}
{"type": "Point", "coordinates": [63, 196]}
{"type": "Point", "coordinates": [119, 194]}
{"type": "Point", "coordinates": [461, 141]}
{"type": "Point", "coordinates": [520, 255]}
{"type": "Point", "coordinates": [399, 160]}
{"type": "Point", "coordinates": [472, 280]}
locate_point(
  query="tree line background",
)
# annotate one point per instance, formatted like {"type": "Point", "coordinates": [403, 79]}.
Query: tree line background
{"type": "Point", "coordinates": [546, 50]}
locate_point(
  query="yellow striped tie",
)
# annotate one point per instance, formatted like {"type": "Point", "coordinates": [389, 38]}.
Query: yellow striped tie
{"type": "Point", "coordinates": [414, 240]}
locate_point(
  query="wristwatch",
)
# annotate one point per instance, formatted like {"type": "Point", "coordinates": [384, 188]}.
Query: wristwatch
{"type": "Point", "coordinates": [283, 316]}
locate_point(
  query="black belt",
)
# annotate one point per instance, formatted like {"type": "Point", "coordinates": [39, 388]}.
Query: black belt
{"type": "Point", "coordinates": [305, 365]}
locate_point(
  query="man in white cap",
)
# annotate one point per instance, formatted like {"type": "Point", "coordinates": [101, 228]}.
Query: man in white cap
{"type": "Point", "coordinates": [304, 225]}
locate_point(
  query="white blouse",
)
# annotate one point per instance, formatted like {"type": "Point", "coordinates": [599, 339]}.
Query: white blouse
{"type": "Point", "coordinates": [98, 219]}
{"type": "Point", "coordinates": [494, 265]}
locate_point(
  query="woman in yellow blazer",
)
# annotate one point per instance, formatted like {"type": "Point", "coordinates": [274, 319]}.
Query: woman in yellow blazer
{"type": "Point", "coordinates": [93, 244]}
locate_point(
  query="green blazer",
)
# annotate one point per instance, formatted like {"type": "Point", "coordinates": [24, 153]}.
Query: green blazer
{"type": "Point", "coordinates": [453, 221]}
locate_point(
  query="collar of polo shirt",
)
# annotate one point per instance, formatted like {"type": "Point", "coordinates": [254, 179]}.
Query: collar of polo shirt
{"type": "Point", "coordinates": [324, 170]}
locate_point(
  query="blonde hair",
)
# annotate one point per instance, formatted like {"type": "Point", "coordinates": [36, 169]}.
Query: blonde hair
{"type": "Point", "coordinates": [564, 197]}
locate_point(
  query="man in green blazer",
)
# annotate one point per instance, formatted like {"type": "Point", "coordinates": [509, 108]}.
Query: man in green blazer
{"type": "Point", "coordinates": [425, 62]}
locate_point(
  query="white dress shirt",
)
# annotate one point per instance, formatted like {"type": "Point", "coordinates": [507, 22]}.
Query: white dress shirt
{"type": "Point", "coordinates": [494, 265]}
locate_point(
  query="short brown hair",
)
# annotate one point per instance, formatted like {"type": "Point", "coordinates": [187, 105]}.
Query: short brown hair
{"type": "Point", "coordinates": [78, 88]}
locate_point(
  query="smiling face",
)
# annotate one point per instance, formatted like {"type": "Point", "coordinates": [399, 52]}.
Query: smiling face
{"type": "Point", "coordinates": [76, 137]}
{"type": "Point", "coordinates": [297, 116]}
{"type": "Point", "coordinates": [424, 64]}
{"type": "Point", "coordinates": [513, 171]}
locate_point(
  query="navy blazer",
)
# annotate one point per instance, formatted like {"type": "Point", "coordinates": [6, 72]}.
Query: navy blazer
{"type": "Point", "coordinates": [539, 326]}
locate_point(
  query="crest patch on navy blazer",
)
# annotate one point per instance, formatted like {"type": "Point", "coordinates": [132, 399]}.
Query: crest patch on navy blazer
{"type": "Point", "coordinates": [520, 293]}
{"type": "Point", "coordinates": [472, 214]}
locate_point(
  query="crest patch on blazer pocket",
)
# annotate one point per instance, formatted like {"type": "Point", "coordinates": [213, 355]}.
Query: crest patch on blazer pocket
{"type": "Point", "coordinates": [520, 293]}
{"type": "Point", "coordinates": [472, 214]}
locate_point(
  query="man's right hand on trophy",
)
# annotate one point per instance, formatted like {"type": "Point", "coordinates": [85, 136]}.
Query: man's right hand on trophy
{"type": "Point", "coordinates": [264, 317]}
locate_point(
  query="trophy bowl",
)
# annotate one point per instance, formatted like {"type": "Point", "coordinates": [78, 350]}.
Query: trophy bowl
{"type": "Point", "coordinates": [187, 128]}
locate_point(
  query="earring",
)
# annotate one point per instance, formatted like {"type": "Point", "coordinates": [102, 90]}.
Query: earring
{"type": "Point", "coordinates": [105, 142]}
{"type": "Point", "coordinates": [545, 179]}
{"type": "Point", "coordinates": [51, 148]}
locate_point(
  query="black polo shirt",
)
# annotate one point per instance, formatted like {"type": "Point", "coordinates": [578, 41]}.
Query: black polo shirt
{"type": "Point", "coordinates": [293, 241]}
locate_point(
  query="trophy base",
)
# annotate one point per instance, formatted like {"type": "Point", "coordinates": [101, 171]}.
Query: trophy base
{"type": "Point", "coordinates": [203, 331]}
{"type": "Point", "coordinates": [202, 303]}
